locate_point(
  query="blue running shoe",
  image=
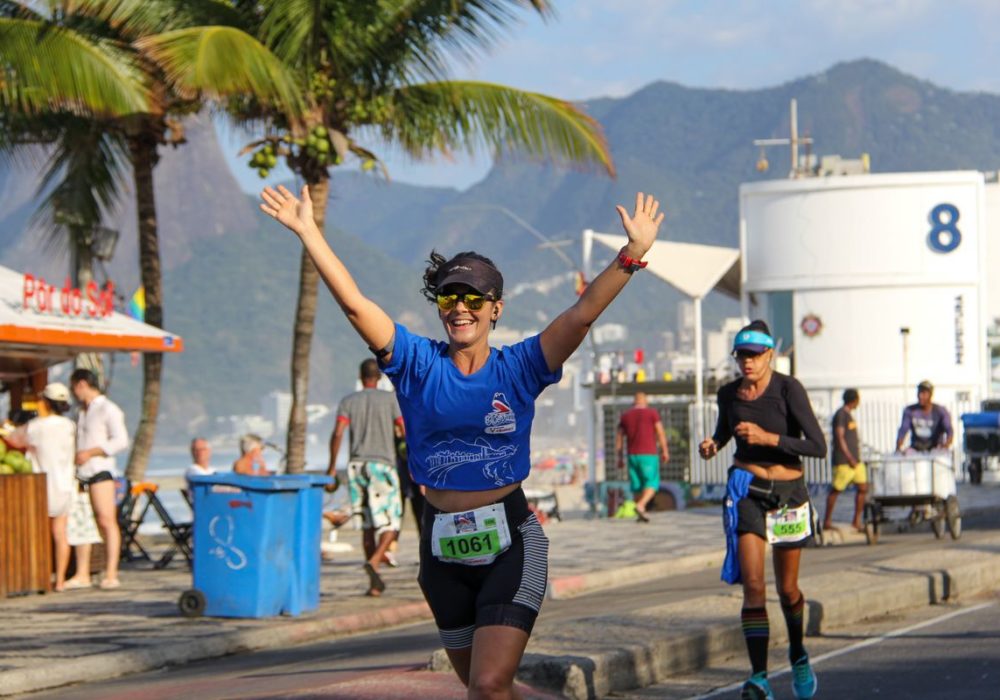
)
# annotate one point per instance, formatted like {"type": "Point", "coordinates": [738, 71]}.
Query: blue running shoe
{"type": "Point", "coordinates": [757, 688]}
{"type": "Point", "coordinates": [804, 681]}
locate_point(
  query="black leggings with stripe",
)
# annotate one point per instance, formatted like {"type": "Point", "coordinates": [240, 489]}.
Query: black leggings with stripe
{"type": "Point", "coordinates": [507, 592]}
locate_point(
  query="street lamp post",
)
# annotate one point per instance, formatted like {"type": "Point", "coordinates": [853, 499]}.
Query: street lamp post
{"type": "Point", "coordinates": [904, 332]}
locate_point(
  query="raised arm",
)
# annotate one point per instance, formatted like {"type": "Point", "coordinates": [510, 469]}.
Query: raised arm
{"type": "Point", "coordinates": [564, 335]}
{"type": "Point", "coordinates": [369, 320]}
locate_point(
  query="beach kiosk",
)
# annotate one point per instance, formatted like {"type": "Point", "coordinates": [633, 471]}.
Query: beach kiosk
{"type": "Point", "coordinates": [44, 323]}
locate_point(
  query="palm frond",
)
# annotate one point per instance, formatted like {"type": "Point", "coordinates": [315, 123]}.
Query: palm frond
{"type": "Point", "coordinates": [421, 36]}
{"type": "Point", "coordinates": [132, 19]}
{"type": "Point", "coordinates": [292, 29]}
{"type": "Point", "coordinates": [217, 62]}
{"type": "Point", "coordinates": [465, 115]}
{"type": "Point", "coordinates": [44, 67]}
{"type": "Point", "coordinates": [88, 163]}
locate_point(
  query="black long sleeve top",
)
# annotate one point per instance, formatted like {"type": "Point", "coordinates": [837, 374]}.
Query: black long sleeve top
{"type": "Point", "coordinates": [784, 409]}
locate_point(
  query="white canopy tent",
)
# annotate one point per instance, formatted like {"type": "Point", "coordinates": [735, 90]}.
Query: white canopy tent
{"type": "Point", "coordinates": [692, 268]}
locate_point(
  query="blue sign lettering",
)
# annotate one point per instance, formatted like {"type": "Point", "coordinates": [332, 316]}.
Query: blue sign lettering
{"type": "Point", "coordinates": [944, 236]}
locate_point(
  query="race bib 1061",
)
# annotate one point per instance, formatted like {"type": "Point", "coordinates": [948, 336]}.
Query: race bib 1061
{"type": "Point", "coordinates": [474, 537]}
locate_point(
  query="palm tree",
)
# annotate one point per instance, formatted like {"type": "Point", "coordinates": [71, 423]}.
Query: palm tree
{"type": "Point", "coordinates": [182, 54]}
{"type": "Point", "coordinates": [378, 69]}
{"type": "Point", "coordinates": [46, 66]}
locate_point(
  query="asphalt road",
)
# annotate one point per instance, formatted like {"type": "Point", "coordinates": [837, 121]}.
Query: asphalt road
{"type": "Point", "coordinates": [946, 651]}
{"type": "Point", "coordinates": [390, 653]}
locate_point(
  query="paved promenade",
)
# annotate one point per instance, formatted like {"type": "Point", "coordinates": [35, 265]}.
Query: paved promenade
{"type": "Point", "coordinates": [86, 635]}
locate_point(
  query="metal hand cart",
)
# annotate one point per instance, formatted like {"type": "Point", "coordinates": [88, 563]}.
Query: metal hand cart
{"type": "Point", "coordinates": [923, 482]}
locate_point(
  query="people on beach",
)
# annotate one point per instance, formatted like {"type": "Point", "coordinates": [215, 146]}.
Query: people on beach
{"type": "Point", "coordinates": [201, 460]}
{"type": "Point", "coordinates": [769, 416]}
{"type": "Point", "coordinates": [100, 435]}
{"type": "Point", "coordinates": [251, 460]}
{"type": "Point", "coordinates": [372, 419]}
{"type": "Point", "coordinates": [468, 410]}
{"type": "Point", "coordinates": [50, 443]}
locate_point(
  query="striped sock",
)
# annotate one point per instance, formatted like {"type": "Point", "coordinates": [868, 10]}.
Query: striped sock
{"type": "Point", "coordinates": [757, 633]}
{"type": "Point", "coordinates": [794, 615]}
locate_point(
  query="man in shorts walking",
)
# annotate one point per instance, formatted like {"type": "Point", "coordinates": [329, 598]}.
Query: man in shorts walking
{"type": "Point", "coordinates": [642, 429]}
{"type": "Point", "coordinates": [374, 420]}
{"type": "Point", "coordinates": [847, 465]}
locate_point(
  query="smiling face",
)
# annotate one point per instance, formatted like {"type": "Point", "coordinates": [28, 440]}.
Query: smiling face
{"type": "Point", "coordinates": [465, 326]}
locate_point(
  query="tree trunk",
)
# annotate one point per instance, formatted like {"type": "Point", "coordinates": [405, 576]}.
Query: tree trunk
{"type": "Point", "coordinates": [305, 321]}
{"type": "Point", "coordinates": [142, 148]}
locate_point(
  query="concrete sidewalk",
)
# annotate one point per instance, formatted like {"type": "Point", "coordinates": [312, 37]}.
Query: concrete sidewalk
{"type": "Point", "coordinates": [82, 636]}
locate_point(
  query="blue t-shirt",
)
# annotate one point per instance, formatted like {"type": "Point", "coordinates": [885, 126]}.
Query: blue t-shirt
{"type": "Point", "coordinates": [467, 433]}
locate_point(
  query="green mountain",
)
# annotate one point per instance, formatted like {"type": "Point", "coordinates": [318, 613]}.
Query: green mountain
{"type": "Point", "coordinates": [231, 274]}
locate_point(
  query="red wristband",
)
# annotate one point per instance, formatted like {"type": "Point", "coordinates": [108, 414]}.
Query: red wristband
{"type": "Point", "coordinates": [630, 265]}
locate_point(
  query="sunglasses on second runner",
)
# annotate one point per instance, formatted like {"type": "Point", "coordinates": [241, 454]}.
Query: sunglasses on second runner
{"type": "Point", "coordinates": [746, 354]}
{"type": "Point", "coordinates": [473, 302]}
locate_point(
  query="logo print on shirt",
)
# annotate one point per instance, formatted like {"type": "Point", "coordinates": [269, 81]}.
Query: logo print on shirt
{"type": "Point", "coordinates": [454, 454]}
{"type": "Point", "coordinates": [501, 419]}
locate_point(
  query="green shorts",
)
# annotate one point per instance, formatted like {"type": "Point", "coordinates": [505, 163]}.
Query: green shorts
{"type": "Point", "coordinates": [644, 472]}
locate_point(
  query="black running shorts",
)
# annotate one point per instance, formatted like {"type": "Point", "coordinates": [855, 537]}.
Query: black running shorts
{"type": "Point", "coordinates": [752, 511]}
{"type": "Point", "coordinates": [508, 592]}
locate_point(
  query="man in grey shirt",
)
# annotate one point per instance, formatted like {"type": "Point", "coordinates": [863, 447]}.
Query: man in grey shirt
{"type": "Point", "coordinates": [374, 420]}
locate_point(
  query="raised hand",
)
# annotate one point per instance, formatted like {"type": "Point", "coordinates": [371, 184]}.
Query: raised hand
{"type": "Point", "coordinates": [288, 209]}
{"type": "Point", "coordinates": [642, 226]}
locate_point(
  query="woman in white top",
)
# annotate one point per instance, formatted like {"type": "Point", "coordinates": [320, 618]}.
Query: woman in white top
{"type": "Point", "coordinates": [50, 443]}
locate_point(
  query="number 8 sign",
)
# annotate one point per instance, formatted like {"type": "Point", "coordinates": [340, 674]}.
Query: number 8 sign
{"type": "Point", "coordinates": [944, 235]}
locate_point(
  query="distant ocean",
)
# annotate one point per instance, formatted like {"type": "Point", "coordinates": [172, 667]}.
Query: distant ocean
{"type": "Point", "coordinates": [169, 465]}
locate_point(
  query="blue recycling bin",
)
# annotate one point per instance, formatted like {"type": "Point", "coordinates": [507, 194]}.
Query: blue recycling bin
{"type": "Point", "coordinates": [246, 545]}
{"type": "Point", "coordinates": [309, 534]}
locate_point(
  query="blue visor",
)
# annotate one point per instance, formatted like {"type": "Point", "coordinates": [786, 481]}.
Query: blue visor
{"type": "Point", "coordinates": [752, 340]}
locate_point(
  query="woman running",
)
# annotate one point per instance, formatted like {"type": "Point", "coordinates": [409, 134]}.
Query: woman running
{"type": "Point", "coordinates": [769, 416]}
{"type": "Point", "coordinates": [468, 410]}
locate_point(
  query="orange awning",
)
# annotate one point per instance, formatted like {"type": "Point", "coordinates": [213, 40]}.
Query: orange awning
{"type": "Point", "coordinates": [52, 324]}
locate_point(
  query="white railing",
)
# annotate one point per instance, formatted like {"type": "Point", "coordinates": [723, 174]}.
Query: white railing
{"type": "Point", "coordinates": [878, 424]}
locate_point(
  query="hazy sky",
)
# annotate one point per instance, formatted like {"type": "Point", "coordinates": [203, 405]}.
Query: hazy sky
{"type": "Point", "coordinates": [596, 48]}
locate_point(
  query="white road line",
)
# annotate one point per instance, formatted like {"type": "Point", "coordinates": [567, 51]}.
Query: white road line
{"type": "Point", "coordinates": [871, 641]}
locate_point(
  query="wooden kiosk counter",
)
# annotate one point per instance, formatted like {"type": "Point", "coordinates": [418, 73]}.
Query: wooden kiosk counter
{"type": "Point", "coordinates": [44, 324]}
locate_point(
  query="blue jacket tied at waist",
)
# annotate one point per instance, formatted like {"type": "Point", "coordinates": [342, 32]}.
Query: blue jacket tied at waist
{"type": "Point", "coordinates": [736, 490]}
